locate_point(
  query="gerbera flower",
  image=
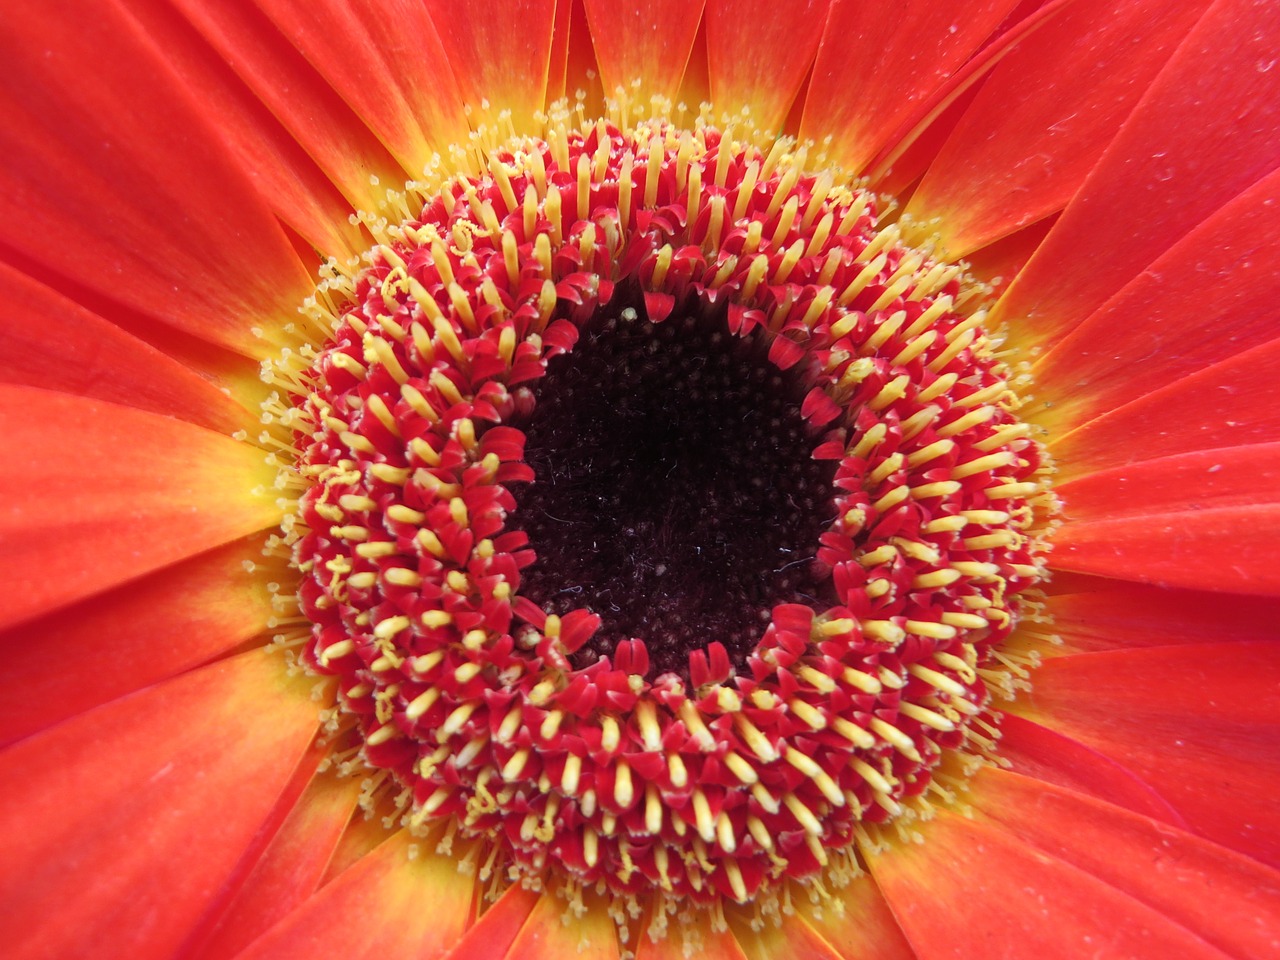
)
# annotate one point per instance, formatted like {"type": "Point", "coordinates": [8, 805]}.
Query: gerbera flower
{"type": "Point", "coordinates": [466, 498]}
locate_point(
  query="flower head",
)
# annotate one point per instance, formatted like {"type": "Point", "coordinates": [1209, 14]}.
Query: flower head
{"type": "Point", "coordinates": [831, 520]}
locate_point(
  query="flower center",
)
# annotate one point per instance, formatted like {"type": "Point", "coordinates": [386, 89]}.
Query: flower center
{"type": "Point", "coordinates": [665, 515]}
{"type": "Point", "coordinates": [676, 493]}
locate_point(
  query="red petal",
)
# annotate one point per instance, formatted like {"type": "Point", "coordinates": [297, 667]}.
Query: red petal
{"type": "Point", "coordinates": [121, 186]}
{"type": "Point", "coordinates": [492, 935]}
{"type": "Point", "coordinates": [878, 62]}
{"type": "Point", "coordinates": [503, 59]}
{"type": "Point", "coordinates": [1178, 521]}
{"type": "Point", "coordinates": [1036, 751]}
{"type": "Point", "coordinates": [1233, 547]}
{"type": "Point", "coordinates": [1138, 615]}
{"type": "Point", "coordinates": [1044, 117]}
{"type": "Point", "coordinates": [288, 179]}
{"type": "Point", "coordinates": [121, 823]}
{"type": "Point", "coordinates": [972, 889]}
{"type": "Point", "coordinates": [83, 656]}
{"type": "Point", "coordinates": [1228, 900]}
{"type": "Point", "coordinates": [48, 339]}
{"type": "Point", "coordinates": [290, 868]}
{"type": "Point", "coordinates": [553, 932]}
{"type": "Point", "coordinates": [296, 94]}
{"type": "Point", "coordinates": [1230, 404]}
{"type": "Point", "coordinates": [862, 926]}
{"type": "Point", "coordinates": [108, 493]}
{"type": "Point", "coordinates": [1157, 180]}
{"type": "Point", "coordinates": [1212, 295]}
{"type": "Point", "coordinates": [1196, 722]}
{"type": "Point", "coordinates": [649, 43]}
{"type": "Point", "coordinates": [1201, 480]}
{"type": "Point", "coordinates": [387, 68]}
{"type": "Point", "coordinates": [390, 903]}
{"type": "Point", "coordinates": [761, 38]}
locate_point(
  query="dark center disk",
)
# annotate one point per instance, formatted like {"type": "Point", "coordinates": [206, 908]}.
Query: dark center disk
{"type": "Point", "coordinates": [676, 494]}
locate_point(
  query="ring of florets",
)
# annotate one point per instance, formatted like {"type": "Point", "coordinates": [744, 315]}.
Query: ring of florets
{"type": "Point", "coordinates": [722, 780]}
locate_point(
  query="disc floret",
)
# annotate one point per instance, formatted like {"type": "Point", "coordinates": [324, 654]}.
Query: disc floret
{"type": "Point", "coordinates": [730, 776]}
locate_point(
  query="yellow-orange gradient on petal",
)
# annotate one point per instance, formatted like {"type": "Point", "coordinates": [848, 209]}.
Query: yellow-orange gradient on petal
{"type": "Point", "coordinates": [178, 780]}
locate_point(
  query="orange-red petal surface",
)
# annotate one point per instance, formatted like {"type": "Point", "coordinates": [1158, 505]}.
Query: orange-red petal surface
{"type": "Point", "coordinates": [1159, 177]}
{"type": "Point", "coordinates": [795, 940]}
{"type": "Point", "coordinates": [1141, 615]}
{"type": "Point", "coordinates": [1211, 295]}
{"type": "Point", "coordinates": [290, 868]}
{"type": "Point", "coordinates": [1228, 900]}
{"type": "Point", "coordinates": [1194, 481]}
{"type": "Point", "coordinates": [492, 935]}
{"type": "Point", "coordinates": [50, 340]}
{"type": "Point", "coordinates": [289, 180]}
{"type": "Point", "coordinates": [1229, 547]}
{"type": "Point", "coordinates": [859, 923]}
{"type": "Point", "coordinates": [974, 889]}
{"type": "Point", "coordinates": [1036, 751]}
{"type": "Point", "coordinates": [79, 657]}
{"type": "Point", "coordinates": [108, 493]}
{"type": "Point", "coordinates": [1229, 404]}
{"type": "Point", "coordinates": [553, 932]}
{"type": "Point", "coordinates": [401, 900]}
{"type": "Point", "coordinates": [122, 824]}
{"type": "Point", "coordinates": [1179, 521]}
{"type": "Point", "coordinates": [1043, 118]}
{"type": "Point", "coordinates": [1196, 722]}
{"type": "Point", "coordinates": [648, 41]}
{"type": "Point", "coordinates": [499, 58]}
{"type": "Point", "coordinates": [761, 38]}
{"type": "Point", "coordinates": [707, 942]}
{"type": "Point", "coordinates": [121, 185]}
{"type": "Point", "coordinates": [388, 68]}
{"type": "Point", "coordinates": [878, 64]}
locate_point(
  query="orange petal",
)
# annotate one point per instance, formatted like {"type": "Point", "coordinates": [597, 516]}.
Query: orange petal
{"type": "Point", "coordinates": [1140, 615]}
{"type": "Point", "coordinates": [362, 837]}
{"type": "Point", "coordinates": [121, 823]}
{"type": "Point", "coordinates": [121, 186]}
{"type": "Point", "coordinates": [1043, 118]}
{"type": "Point", "coordinates": [401, 900]}
{"type": "Point", "coordinates": [761, 38]}
{"type": "Point", "coordinates": [878, 63]}
{"type": "Point", "coordinates": [698, 932]}
{"type": "Point", "coordinates": [1196, 722]}
{"type": "Point", "coordinates": [290, 868]}
{"type": "Point", "coordinates": [492, 935]}
{"type": "Point", "coordinates": [75, 659]}
{"type": "Point", "coordinates": [503, 60]}
{"type": "Point", "coordinates": [554, 932]}
{"type": "Point", "coordinates": [1157, 180]}
{"type": "Point", "coordinates": [1036, 751]}
{"type": "Point", "coordinates": [1229, 404]}
{"type": "Point", "coordinates": [1200, 480]}
{"type": "Point", "coordinates": [387, 69]}
{"type": "Point", "coordinates": [1227, 900]}
{"type": "Point", "coordinates": [344, 148]}
{"type": "Point", "coordinates": [973, 889]}
{"type": "Point", "coordinates": [1210, 296]}
{"type": "Point", "coordinates": [108, 493]}
{"type": "Point", "coordinates": [296, 189]}
{"type": "Point", "coordinates": [647, 42]}
{"type": "Point", "coordinates": [52, 340]}
{"type": "Point", "coordinates": [1232, 547]}
{"type": "Point", "coordinates": [795, 939]}
{"type": "Point", "coordinates": [1177, 521]}
{"type": "Point", "coordinates": [860, 924]}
